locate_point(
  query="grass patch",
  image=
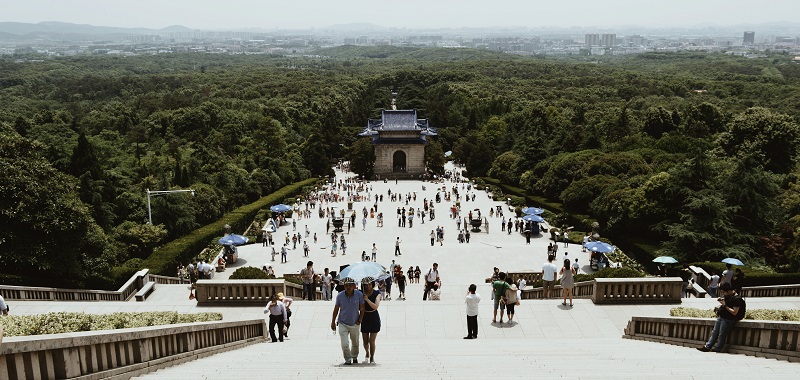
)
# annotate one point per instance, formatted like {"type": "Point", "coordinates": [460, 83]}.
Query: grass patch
{"type": "Point", "coordinates": [755, 314]}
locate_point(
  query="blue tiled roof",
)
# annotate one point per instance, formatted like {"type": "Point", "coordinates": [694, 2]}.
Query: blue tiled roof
{"type": "Point", "coordinates": [398, 120]}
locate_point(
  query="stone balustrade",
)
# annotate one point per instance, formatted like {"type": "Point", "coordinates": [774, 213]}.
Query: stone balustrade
{"type": "Point", "coordinates": [584, 289]}
{"type": "Point", "coordinates": [245, 292]}
{"type": "Point", "coordinates": [772, 291]}
{"type": "Point", "coordinates": [121, 353]}
{"type": "Point", "coordinates": [771, 339]}
{"type": "Point", "coordinates": [637, 290]}
{"type": "Point", "coordinates": [31, 293]}
{"type": "Point", "coordinates": [167, 280]}
{"type": "Point", "coordinates": [529, 276]}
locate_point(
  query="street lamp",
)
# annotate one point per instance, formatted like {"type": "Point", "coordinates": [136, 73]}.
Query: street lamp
{"type": "Point", "coordinates": [161, 192]}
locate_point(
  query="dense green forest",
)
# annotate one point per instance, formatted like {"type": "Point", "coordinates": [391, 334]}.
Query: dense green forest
{"type": "Point", "coordinates": [694, 151]}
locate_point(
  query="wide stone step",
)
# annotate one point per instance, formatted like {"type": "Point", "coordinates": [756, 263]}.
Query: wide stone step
{"type": "Point", "coordinates": [447, 359]}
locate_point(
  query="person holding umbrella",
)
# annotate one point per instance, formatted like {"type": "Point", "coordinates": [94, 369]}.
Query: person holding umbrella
{"type": "Point", "coordinates": [371, 325]}
{"type": "Point", "coordinates": [348, 313]}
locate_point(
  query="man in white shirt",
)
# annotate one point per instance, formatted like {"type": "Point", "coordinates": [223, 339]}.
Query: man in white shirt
{"type": "Point", "coordinates": [713, 285]}
{"type": "Point", "coordinates": [472, 300]}
{"type": "Point", "coordinates": [277, 316]}
{"type": "Point", "coordinates": [326, 285]}
{"type": "Point", "coordinates": [549, 277]}
{"type": "Point", "coordinates": [430, 279]}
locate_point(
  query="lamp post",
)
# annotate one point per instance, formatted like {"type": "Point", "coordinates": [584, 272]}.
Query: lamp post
{"type": "Point", "coordinates": [161, 192]}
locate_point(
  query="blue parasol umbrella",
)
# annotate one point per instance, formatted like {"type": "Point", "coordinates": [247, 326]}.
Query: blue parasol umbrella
{"type": "Point", "coordinates": [363, 269]}
{"type": "Point", "coordinates": [599, 246]}
{"type": "Point", "coordinates": [280, 208]}
{"type": "Point", "coordinates": [532, 210]}
{"type": "Point", "coordinates": [533, 218]}
{"type": "Point", "coordinates": [665, 260]}
{"type": "Point", "coordinates": [233, 239]}
{"type": "Point", "coordinates": [731, 260]}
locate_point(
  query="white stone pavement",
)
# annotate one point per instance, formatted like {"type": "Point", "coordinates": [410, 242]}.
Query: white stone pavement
{"type": "Point", "coordinates": [545, 336]}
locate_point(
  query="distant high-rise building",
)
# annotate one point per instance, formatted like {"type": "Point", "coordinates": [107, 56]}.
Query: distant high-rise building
{"type": "Point", "coordinates": [608, 39]}
{"type": "Point", "coordinates": [749, 38]}
{"type": "Point", "coordinates": [592, 40]}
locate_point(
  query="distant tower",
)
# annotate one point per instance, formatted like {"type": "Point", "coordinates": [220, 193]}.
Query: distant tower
{"type": "Point", "coordinates": [592, 40]}
{"type": "Point", "coordinates": [749, 38]}
{"type": "Point", "coordinates": [608, 39]}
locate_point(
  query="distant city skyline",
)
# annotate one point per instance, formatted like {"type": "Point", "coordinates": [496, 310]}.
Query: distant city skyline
{"type": "Point", "coordinates": [410, 14]}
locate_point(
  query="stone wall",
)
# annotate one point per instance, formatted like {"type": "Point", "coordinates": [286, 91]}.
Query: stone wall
{"type": "Point", "coordinates": [415, 160]}
{"type": "Point", "coordinates": [122, 353]}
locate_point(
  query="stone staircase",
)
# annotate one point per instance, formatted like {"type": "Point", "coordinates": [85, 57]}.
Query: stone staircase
{"type": "Point", "coordinates": [596, 358]}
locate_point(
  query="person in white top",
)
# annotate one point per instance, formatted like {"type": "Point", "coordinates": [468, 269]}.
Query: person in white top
{"type": "Point", "coordinates": [549, 277]}
{"type": "Point", "coordinates": [4, 309]}
{"type": "Point", "coordinates": [727, 274]}
{"type": "Point", "coordinates": [430, 279]}
{"type": "Point", "coordinates": [472, 300]}
{"type": "Point", "coordinates": [326, 285]}
{"type": "Point", "coordinates": [713, 285]}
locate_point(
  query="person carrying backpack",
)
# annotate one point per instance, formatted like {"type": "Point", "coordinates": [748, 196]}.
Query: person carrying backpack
{"type": "Point", "coordinates": [731, 310]}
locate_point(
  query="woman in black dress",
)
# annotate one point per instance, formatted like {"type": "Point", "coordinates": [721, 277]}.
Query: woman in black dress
{"type": "Point", "coordinates": [371, 324]}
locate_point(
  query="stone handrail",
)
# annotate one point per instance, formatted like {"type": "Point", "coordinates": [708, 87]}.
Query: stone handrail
{"type": "Point", "coordinates": [584, 289]}
{"type": "Point", "coordinates": [245, 292]}
{"type": "Point", "coordinates": [771, 339]}
{"type": "Point", "coordinates": [167, 280]}
{"type": "Point", "coordinates": [772, 291]}
{"type": "Point", "coordinates": [637, 290]}
{"type": "Point", "coordinates": [31, 293]}
{"type": "Point", "coordinates": [703, 278]}
{"type": "Point", "coordinates": [529, 276]}
{"type": "Point", "coordinates": [121, 353]}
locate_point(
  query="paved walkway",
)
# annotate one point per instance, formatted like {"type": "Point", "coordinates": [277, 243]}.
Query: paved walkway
{"type": "Point", "coordinates": [545, 336]}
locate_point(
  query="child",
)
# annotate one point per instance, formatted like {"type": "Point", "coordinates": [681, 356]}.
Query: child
{"type": "Point", "coordinates": [472, 300]}
{"type": "Point", "coordinates": [436, 294]}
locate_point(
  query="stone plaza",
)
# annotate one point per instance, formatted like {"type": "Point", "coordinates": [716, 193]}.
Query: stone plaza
{"type": "Point", "coordinates": [423, 339]}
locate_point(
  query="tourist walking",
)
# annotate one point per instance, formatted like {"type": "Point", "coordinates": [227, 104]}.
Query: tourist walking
{"type": "Point", "coordinates": [431, 278]}
{"type": "Point", "coordinates": [499, 288]}
{"type": "Point", "coordinates": [549, 276]}
{"type": "Point", "coordinates": [283, 254]}
{"type": "Point", "coordinates": [511, 298]}
{"type": "Point", "coordinates": [472, 300]}
{"type": "Point", "coordinates": [397, 247]}
{"type": "Point", "coordinates": [433, 237]}
{"type": "Point", "coordinates": [732, 309]}
{"type": "Point", "coordinates": [348, 312]}
{"type": "Point", "coordinates": [400, 279]}
{"type": "Point", "coordinates": [374, 252]}
{"type": "Point", "coordinates": [307, 275]}
{"type": "Point", "coordinates": [326, 285]}
{"type": "Point", "coordinates": [567, 274]}
{"type": "Point", "coordinates": [371, 324]}
{"type": "Point", "coordinates": [277, 316]}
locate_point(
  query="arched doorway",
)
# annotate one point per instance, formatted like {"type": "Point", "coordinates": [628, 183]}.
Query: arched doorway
{"type": "Point", "coordinates": [399, 161]}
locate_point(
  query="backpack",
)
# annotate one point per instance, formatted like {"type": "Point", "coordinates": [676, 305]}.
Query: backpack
{"type": "Point", "coordinates": [742, 310]}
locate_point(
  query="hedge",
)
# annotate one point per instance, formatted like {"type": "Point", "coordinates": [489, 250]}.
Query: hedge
{"type": "Point", "coordinates": [250, 273]}
{"type": "Point", "coordinates": [754, 276]}
{"type": "Point", "coordinates": [63, 322]}
{"type": "Point", "coordinates": [165, 258]}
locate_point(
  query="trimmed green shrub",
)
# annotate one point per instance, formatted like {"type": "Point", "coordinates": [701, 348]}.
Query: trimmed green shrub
{"type": "Point", "coordinates": [250, 273]}
{"type": "Point", "coordinates": [165, 258]}
{"type": "Point", "coordinates": [754, 314]}
{"type": "Point", "coordinates": [62, 322]}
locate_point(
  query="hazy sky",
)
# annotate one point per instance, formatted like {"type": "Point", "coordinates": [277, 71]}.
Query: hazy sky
{"type": "Point", "coordinates": [270, 14]}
